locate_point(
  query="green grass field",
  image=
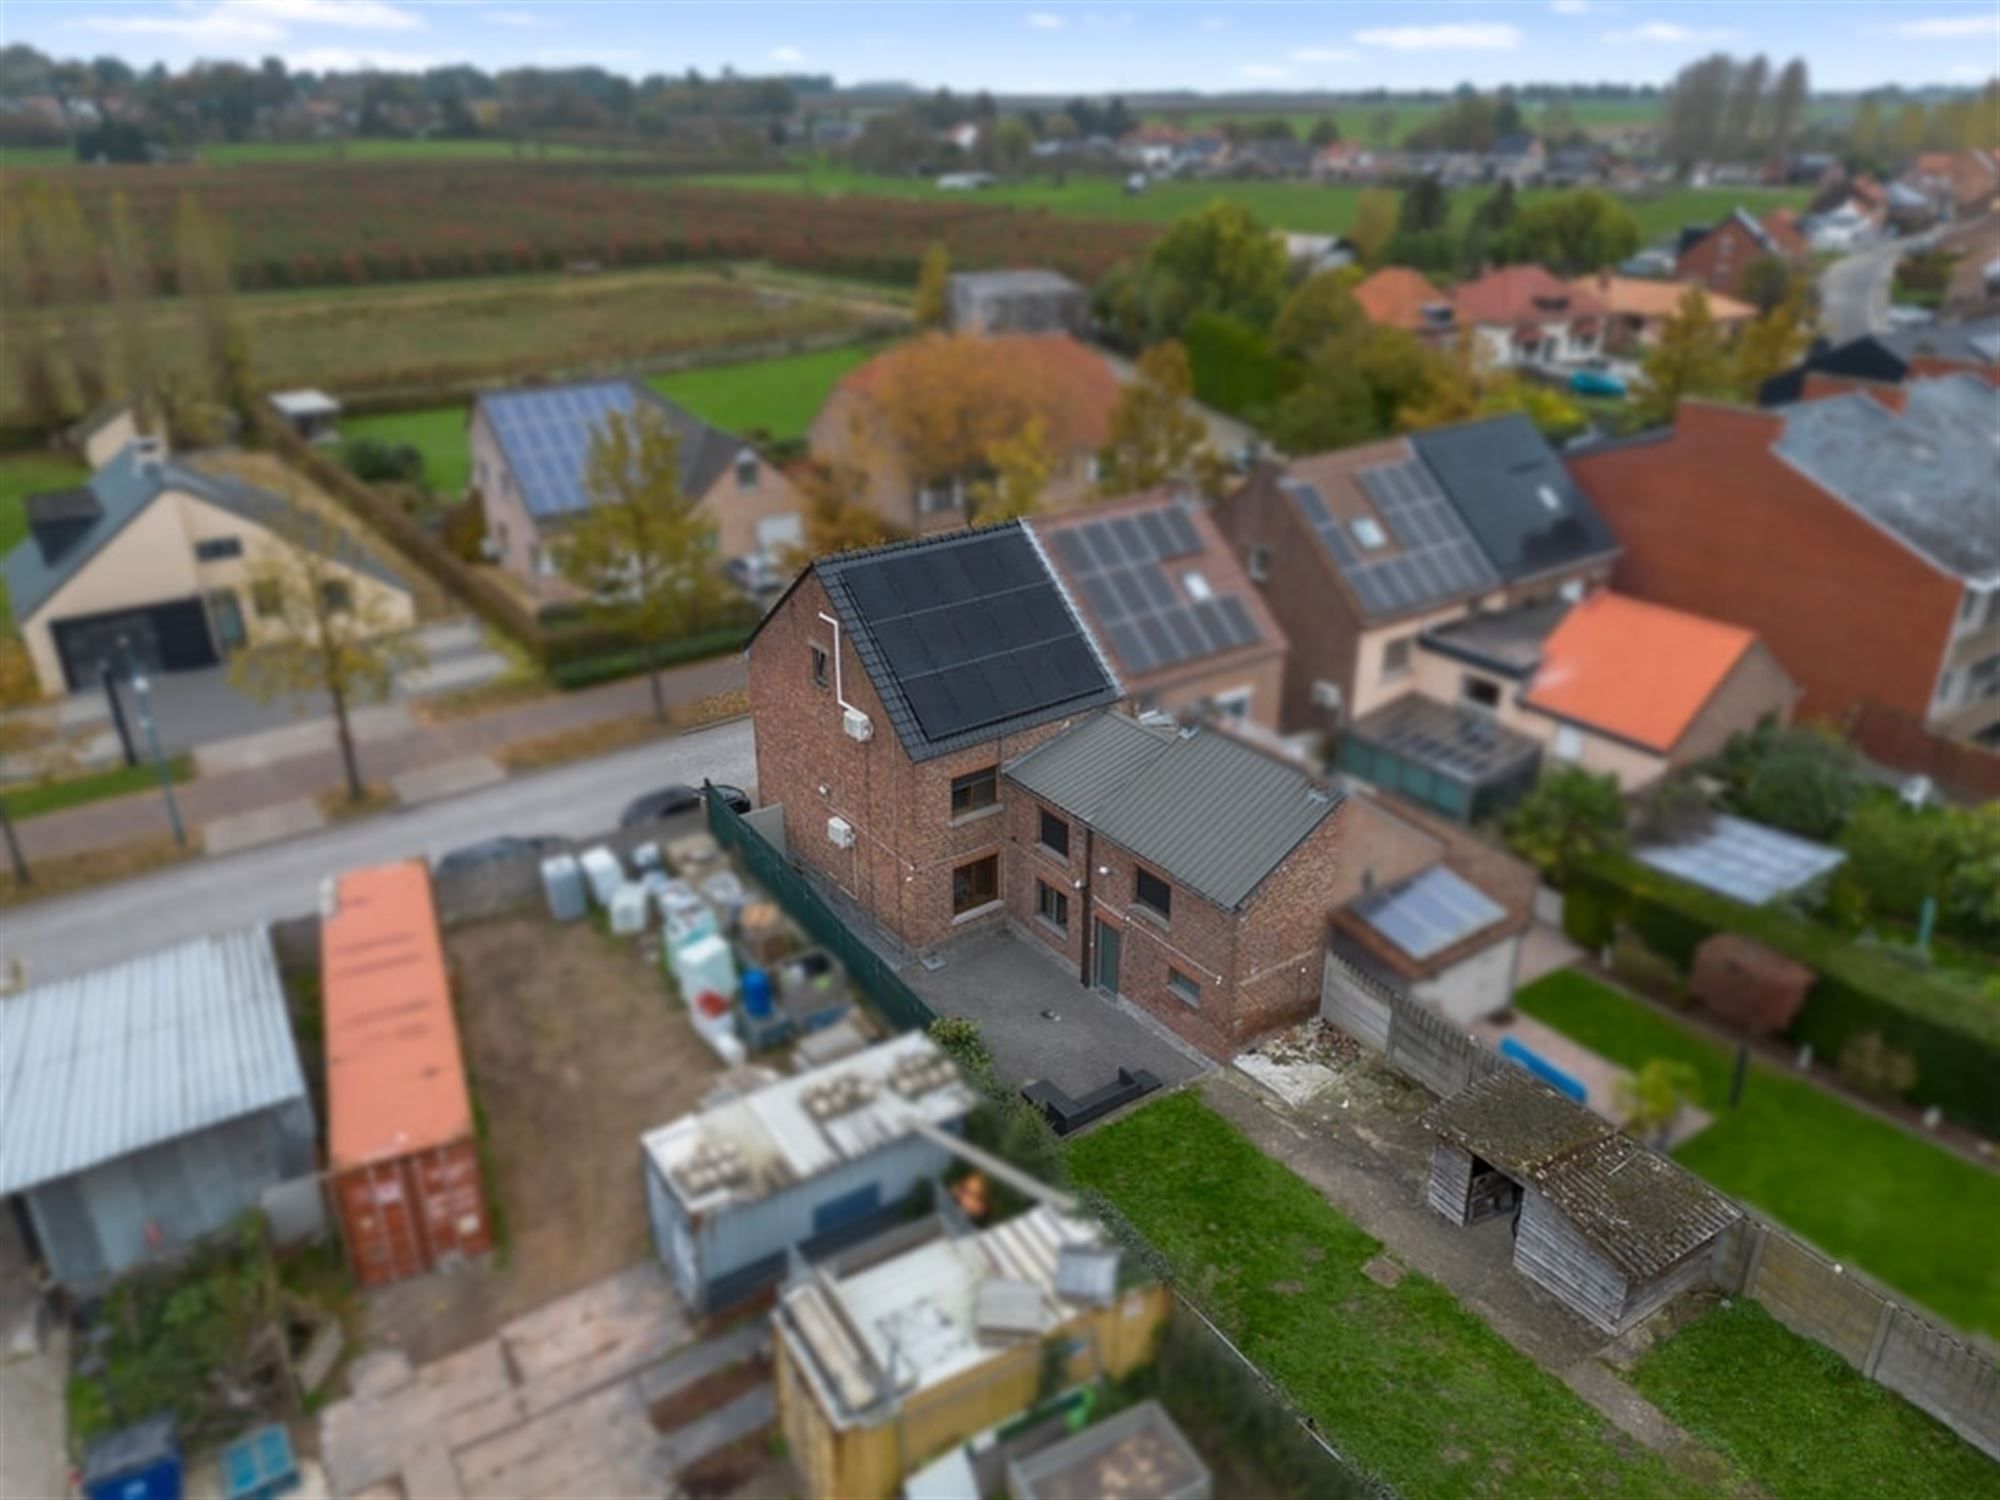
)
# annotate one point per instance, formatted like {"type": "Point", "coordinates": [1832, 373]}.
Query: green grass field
{"type": "Point", "coordinates": [22, 475]}
{"type": "Point", "coordinates": [1911, 1214]}
{"type": "Point", "coordinates": [1798, 1419]}
{"type": "Point", "coordinates": [74, 791]}
{"type": "Point", "coordinates": [1406, 1380]}
{"type": "Point", "coordinates": [1305, 207]}
{"type": "Point", "coordinates": [437, 432]}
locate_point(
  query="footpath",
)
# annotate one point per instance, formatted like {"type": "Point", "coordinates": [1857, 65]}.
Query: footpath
{"type": "Point", "coordinates": [120, 821]}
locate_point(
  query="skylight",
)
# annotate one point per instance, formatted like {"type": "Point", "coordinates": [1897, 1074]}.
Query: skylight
{"type": "Point", "coordinates": [1368, 532]}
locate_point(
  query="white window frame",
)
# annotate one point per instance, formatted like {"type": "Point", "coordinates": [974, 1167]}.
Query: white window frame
{"type": "Point", "coordinates": [1568, 744]}
{"type": "Point", "coordinates": [1257, 563]}
{"type": "Point", "coordinates": [1234, 704]}
{"type": "Point", "coordinates": [1392, 673]}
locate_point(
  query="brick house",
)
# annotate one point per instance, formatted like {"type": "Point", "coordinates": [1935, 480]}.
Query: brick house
{"type": "Point", "coordinates": [1398, 297]}
{"type": "Point", "coordinates": [1161, 590]}
{"type": "Point", "coordinates": [1179, 868]}
{"type": "Point", "coordinates": [888, 688]}
{"type": "Point", "coordinates": [1522, 316]}
{"type": "Point", "coordinates": [1075, 390]}
{"type": "Point", "coordinates": [1880, 360]}
{"type": "Point", "coordinates": [530, 455]}
{"type": "Point", "coordinates": [1361, 551]}
{"type": "Point", "coordinates": [1636, 309]}
{"type": "Point", "coordinates": [1026, 301]}
{"type": "Point", "coordinates": [1861, 544]}
{"type": "Point", "coordinates": [1718, 256]}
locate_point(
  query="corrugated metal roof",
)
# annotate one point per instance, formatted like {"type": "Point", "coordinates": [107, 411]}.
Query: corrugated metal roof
{"type": "Point", "coordinates": [100, 1065]}
{"type": "Point", "coordinates": [1201, 807]}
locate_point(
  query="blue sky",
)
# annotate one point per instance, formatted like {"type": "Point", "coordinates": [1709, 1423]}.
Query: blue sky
{"type": "Point", "coordinates": [1045, 46]}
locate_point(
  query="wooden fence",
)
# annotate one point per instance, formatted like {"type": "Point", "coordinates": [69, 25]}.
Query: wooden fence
{"type": "Point", "coordinates": [1965, 772]}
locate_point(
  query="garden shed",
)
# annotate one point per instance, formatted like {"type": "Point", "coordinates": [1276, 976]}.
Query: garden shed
{"type": "Point", "coordinates": [1744, 982]}
{"type": "Point", "coordinates": [1613, 1230]}
{"type": "Point", "coordinates": [147, 1105]}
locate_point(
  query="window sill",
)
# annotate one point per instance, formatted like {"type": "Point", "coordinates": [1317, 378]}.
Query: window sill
{"type": "Point", "coordinates": [1053, 929]}
{"type": "Point", "coordinates": [1191, 1004]}
{"type": "Point", "coordinates": [1156, 919]}
{"type": "Point", "coordinates": [975, 913]}
{"type": "Point", "coordinates": [977, 815]}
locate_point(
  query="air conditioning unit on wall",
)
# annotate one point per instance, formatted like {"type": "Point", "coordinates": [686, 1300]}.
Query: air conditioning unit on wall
{"type": "Point", "coordinates": [840, 833]}
{"type": "Point", "coordinates": [857, 726]}
{"type": "Point", "coordinates": [1326, 695]}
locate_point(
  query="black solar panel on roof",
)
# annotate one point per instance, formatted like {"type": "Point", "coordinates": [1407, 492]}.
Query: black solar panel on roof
{"type": "Point", "coordinates": [1117, 565]}
{"type": "Point", "coordinates": [1513, 495]}
{"type": "Point", "coordinates": [1437, 557]}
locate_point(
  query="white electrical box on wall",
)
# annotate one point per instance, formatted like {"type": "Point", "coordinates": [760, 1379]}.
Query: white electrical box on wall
{"type": "Point", "coordinates": [840, 832]}
{"type": "Point", "coordinates": [857, 725]}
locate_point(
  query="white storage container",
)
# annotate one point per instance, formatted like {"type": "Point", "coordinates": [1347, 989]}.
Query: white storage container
{"type": "Point", "coordinates": [605, 874]}
{"type": "Point", "coordinates": [703, 966]}
{"type": "Point", "coordinates": [562, 884]}
{"type": "Point", "coordinates": [646, 858]}
{"type": "Point", "coordinates": [725, 893]}
{"type": "Point", "coordinates": [628, 910]}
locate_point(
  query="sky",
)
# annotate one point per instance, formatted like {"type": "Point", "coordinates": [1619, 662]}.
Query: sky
{"type": "Point", "coordinates": [1049, 47]}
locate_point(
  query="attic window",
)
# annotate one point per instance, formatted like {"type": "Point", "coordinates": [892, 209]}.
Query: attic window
{"type": "Point", "coordinates": [746, 470]}
{"type": "Point", "coordinates": [1368, 531]}
{"type": "Point", "coordinates": [1549, 498]}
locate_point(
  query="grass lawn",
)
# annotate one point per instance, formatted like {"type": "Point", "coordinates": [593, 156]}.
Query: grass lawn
{"type": "Point", "coordinates": [1306, 207]}
{"type": "Point", "coordinates": [437, 432]}
{"type": "Point", "coordinates": [22, 475]}
{"type": "Point", "coordinates": [33, 799]}
{"type": "Point", "coordinates": [1411, 1384]}
{"type": "Point", "coordinates": [779, 397]}
{"type": "Point", "coordinates": [1911, 1214]}
{"type": "Point", "coordinates": [1799, 1419]}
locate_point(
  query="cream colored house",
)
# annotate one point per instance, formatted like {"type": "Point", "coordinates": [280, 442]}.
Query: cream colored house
{"type": "Point", "coordinates": [150, 564]}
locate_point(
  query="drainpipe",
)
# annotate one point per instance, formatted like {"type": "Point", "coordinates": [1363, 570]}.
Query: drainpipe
{"type": "Point", "coordinates": [839, 693]}
{"type": "Point", "coordinates": [1087, 930]}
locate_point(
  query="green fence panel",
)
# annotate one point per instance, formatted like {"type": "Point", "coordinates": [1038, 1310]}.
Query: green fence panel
{"type": "Point", "coordinates": [892, 999]}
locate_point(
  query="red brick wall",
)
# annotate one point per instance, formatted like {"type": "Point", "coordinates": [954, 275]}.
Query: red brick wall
{"type": "Point", "coordinates": [1712, 522]}
{"type": "Point", "coordinates": [1717, 259]}
{"type": "Point", "coordinates": [906, 843]}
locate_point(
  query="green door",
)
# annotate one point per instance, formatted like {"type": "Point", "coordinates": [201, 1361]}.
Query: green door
{"type": "Point", "coordinates": [1108, 939]}
{"type": "Point", "coordinates": [227, 615]}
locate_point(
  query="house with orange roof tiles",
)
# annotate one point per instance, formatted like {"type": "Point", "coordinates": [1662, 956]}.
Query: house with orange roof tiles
{"type": "Point", "coordinates": [1524, 316]}
{"type": "Point", "coordinates": [1636, 308]}
{"type": "Point", "coordinates": [1398, 297]}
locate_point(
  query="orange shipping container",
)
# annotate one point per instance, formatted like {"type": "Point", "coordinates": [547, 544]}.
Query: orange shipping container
{"type": "Point", "coordinates": [400, 1154]}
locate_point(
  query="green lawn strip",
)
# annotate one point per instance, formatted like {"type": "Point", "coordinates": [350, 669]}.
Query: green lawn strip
{"type": "Point", "coordinates": [779, 397]}
{"type": "Point", "coordinates": [437, 432]}
{"type": "Point", "coordinates": [1407, 1381]}
{"type": "Point", "coordinates": [1799, 1419]}
{"type": "Point", "coordinates": [1911, 1214]}
{"type": "Point", "coordinates": [32, 799]}
{"type": "Point", "coordinates": [22, 475]}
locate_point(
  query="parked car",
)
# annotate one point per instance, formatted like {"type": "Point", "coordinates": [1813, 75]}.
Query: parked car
{"type": "Point", "coordinates": [669, 800]}
{"type": "Point", "coordinates": [755, 574]}
{"type": "Point", "coordinates": [1596, 382]}
{"type": "Point", "coordinates": [490, 851]}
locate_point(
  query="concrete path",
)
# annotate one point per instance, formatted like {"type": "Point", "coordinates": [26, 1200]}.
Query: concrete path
{"type": "Point", "coordinates": [1854, 291]}
{"type": "Point", "coordinates": [34, 1376]}
{"type": "Point", "coordinates": [447, 779]}
{"type": "Point", "coordinates": [262, 825]}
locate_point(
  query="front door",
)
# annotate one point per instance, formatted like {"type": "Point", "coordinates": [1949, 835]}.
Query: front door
{"type": "Point", "coordinates": [1108, 938]}
{"type": "Point", "coordinates": [227, 615]}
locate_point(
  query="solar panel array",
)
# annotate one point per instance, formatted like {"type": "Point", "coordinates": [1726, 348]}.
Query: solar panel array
{"type": "Point", "coordinates": [1117, 565]}
{"type": "Point", "coordinates": [546, 436]}
{"type": "Point", "coordinates": [1465, 745]}
{"type": "Point", "coordinates": [975, 633]}
{"type": "Point", "coordinates": [1427, 914]}
{"type": "Point", "coordinates": [1436, 557]}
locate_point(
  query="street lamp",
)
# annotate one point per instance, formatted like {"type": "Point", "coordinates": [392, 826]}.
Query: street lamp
{"type": "Point", "coordinates": [142, 692]}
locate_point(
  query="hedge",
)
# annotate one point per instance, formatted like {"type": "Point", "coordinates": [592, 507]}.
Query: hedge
{"type": "Point", "coordinates": [588, 670]}
{"type": "Point", "coordinates": [1953, 1033]}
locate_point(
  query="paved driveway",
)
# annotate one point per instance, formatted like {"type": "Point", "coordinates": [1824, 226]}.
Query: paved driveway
{"type": "Point", "coordinates": [1040, 1022]}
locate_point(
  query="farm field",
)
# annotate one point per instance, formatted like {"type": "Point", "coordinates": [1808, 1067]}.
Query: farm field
{"type": "Point", "coordinates": [1305, 207]}
{"type": "Point", "coordinates": [1851, 1183]}
{"type": "Point", "coordinates": [445, 333]}
{"type": "Point", "coordinates": [1409, 1382]}
{"type": "Point", "coordinates": [1816, 1427]}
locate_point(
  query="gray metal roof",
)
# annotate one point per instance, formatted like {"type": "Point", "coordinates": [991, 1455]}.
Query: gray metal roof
{"type": "Point", "coordinates": [1010, 283]}
{"type": "Point", "coordinates": [1976, 341]}
{"type": "Point", "coordinates": [1929, 475]}
{"type": "Point", "coordinates": [1199, 806]}
{"type": "Point", "coordinates": [1464, 744]}
{"type": "Point", "coordinates": [126, 486]}
{"type": "Point", "coordinates": [98, 1066]}
{"type": "Point", "coordinates": [1743, 860]}
{"type": "Point", "coordinates": [1504, 640]}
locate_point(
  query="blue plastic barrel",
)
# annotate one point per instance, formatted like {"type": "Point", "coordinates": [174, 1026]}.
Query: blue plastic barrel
{"type": "Point", "coordinates": [756, 994]}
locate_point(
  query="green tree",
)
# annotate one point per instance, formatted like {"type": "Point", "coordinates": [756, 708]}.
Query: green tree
{"type": "Point", "coordinates": [1651, 1099]}
{"type": "Point", "coordinates": [1788, 106]}
{"type": "Point", "coordinates": [324, 628]}
{"type": "Point", "coordinates": [1021, 464]}
{"type": "Point", "coordinates": [1572, 233]}
{"type": "Point", "coordinates": [1325, 131]}
{"type": "Point", "coordinates": [139, 378]}
{"type": "Point", "coordinates": [1425, 206]}
{"type": "Point", "coordinates": [1374, 224]}
{"type": "Point", "coordinates": [643, 553]}
{"type": "Point", "coordinates": [1688, 360]}
{"type": "Point", "coordinates": [1156, 436]}
{"type": "Point", "coordinates": [933, 287]}
{"type": "Point", "coordinates": [1770, 345]}
{"type": "Point", "coordinates": [1320, 307]}
{"type": "Point", "coordinates": [1355, 388]}
{"type": "Point", "coordinates": [1767, 281]}
{"type": "Point", "coordinates": [1570, 816]}
{"type": "Point", "coordinates": [33, 348]}
{"type": "Point", "coordinates": [1222, 259]}
{"type": "Point", "coordinates": [1806, 782]}
{"type": "Point", "coordinates": [205, 281]}
{"type": "Point", "coordinates": [1971, 903]}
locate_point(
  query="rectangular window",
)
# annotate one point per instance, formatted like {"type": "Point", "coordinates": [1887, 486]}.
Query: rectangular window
{"type": "Point", "coordinates": [1569, 742]}
{"type": "Point", "coordinates": [937, 497]}
{"type": "Point", "coordinates": [217, 548]}
{"type": "Point", "coordinates": [1481, 692]}
{"type": "Point", "coordinates": [1257, 563]}
{"type": "Point", "coordinates": [974, 790]}
{"type": "Point", "coordinates": [819, 666]}
{"type": "Point", "coordinates": [267, 599]}
{"type": "Point", "coordinates": [746, 471]}
{"type": "Point", "coordinates": [1052, 905]}
{"type": "Point", "coordinates": [1153, 893]}
{"type": "Point", "coordinates": [1233, 706]}
{"type": "Point", "coordinates": [975, 885]}
{"type": "Point", "coordinates": [1183, 987]}
{"type": "Point", "coordinates": [336, 596]}
{"type": "Point", "coordinates": [1396, 660]}
{"type": "Point", "coordinates": [1054, 834]}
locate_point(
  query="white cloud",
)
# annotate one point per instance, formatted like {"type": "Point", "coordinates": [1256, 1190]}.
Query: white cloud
{"type": "Point", "coordinates": [1322, 54]}
{"type": "Point", "coordinates": [1944, 28]}
{"type": "Point", "coordinates": [1570, 7]}
{"type": "Point", "coordinates": [1043, 20]}
{"type": "Point", "coordinates": [1670, 33]}
{"type": "Point", "coordinates": [355, 15]}
{"type": "Point", "coordinates": [357, 59]}
{"type": "Point", "coordinates": [1262, 72]}
{"type": "Point", "coordinates": [1214, 23]}
{"type": "Point", "coordinates": [1973, 72]}
{"type": "Point", "coordinates": [518, 20]}
{"type": "Point", "coordinates": [1471, 36]}
{"type": "Point", "coordinates": [210, 26]}
{"type": "Point", "coordinates": [787, 55]}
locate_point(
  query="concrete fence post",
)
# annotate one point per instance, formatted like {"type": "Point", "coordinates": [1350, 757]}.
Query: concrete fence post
{"type": "Point", "coordinates": [1760, 1234]}
{"type": "Point", "coordinates": [1883, 1323]}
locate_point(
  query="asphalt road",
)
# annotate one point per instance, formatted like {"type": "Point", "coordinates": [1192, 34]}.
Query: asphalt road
{"type": "Point", "coordinates": [1854, 292]}
{"type": "Point", "coordinates": [68, 934]}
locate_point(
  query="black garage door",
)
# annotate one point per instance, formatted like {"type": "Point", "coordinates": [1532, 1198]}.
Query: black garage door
{"type": "Point", "coordinates": [170, 637]}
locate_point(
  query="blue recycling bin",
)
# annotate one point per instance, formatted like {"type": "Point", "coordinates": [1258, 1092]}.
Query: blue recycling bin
{"type": "Point", "coordinates": [140, 1462]}
{"type": "Point", "coordinates": [260, 1465]}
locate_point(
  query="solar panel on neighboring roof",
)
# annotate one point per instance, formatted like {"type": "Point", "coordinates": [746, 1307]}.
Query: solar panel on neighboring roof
{"type": "Point", "coordinates": [976, 632]}
{"type": "Point", "coordinates": [1429, 912]}
{"type": "Point", "coordinates": [1116, 565]}
{"type": "Point", "coordinates": [1436, 558]}
{"type": "Point", "coordinates": [547, 434]}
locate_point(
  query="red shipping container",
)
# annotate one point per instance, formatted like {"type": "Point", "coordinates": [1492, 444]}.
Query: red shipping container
{"type": "Point", "coordinates": [401, 1160]}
